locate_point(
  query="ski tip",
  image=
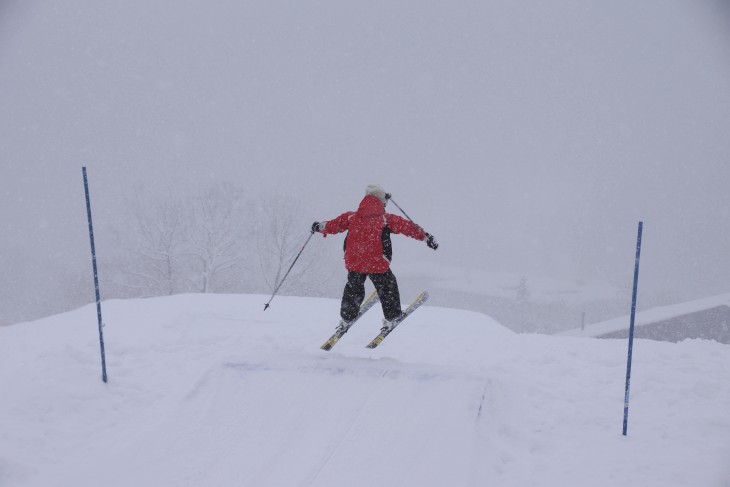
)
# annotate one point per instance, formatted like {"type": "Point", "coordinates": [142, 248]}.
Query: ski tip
{"type": "Point", "coordinates": [376, 341]}
{"type": "Point", "coordinates": [327, 346]}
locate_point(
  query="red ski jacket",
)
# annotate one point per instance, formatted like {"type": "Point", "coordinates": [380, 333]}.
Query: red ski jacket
{"type": "Point", "coordinates": [364, 250]}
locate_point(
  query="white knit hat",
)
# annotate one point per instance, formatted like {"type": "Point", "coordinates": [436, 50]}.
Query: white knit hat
{"type": "Point", "coordinates": [376, 191]}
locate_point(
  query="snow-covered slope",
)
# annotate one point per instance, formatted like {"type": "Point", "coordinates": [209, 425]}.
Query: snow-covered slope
{"type": "Point", "coordinates": [209, 390]}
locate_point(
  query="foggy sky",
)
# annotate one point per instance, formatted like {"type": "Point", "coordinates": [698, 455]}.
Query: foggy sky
{"type": "Point", "coordinates": [527, 136]}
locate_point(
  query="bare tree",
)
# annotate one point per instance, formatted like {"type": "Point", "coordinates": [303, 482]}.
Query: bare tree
{"type": "Point", "coordinates": [155, 246]}
{"type": "Point", "coordinates": [215, 227]}
{"type": "Point", "coordinates": [218, 241]}
{"type": "Point", "coordinates": [524, 308]}
{"type": "Point", "coordinates": [281, 232]}
{"type": "Point", "coordinates": [523, 292]}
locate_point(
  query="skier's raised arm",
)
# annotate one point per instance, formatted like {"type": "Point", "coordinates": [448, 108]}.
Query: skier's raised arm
{"type": "Point", "coordinates": [337, 225]}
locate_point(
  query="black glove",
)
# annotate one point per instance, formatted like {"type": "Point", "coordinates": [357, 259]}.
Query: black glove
{"type": "Point", "coordinates": [316, 227]}
{"type": "Point", "coordinates": [431, 241]}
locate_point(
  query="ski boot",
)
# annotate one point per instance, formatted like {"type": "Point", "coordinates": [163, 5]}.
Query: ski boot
{"type": "Point", "coordinates": [343, 327]}
{"type": "Point", "coordinates": [388, 325]}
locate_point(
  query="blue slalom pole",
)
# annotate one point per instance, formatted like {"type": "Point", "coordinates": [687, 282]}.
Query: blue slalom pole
{"type": "Point", "coordinates": [631, 328]}
{"type": "Point", "coordinates": [96, 275]}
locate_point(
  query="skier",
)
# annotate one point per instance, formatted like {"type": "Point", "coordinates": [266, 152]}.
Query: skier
{"type": "Point", "coordinates": [368, 252]}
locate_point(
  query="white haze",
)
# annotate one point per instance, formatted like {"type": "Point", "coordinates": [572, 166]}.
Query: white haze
{"type": "Point", "coordinates": [529, 137]}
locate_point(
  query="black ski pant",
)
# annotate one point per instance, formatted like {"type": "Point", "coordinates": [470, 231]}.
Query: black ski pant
{"type": "Point", "coordinates": [386, 286]}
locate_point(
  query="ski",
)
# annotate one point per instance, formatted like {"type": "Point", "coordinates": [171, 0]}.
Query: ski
{"type": "Point", "coordinates": [364, 307]}
{"type": "Point", "coordinates": [420, 299]}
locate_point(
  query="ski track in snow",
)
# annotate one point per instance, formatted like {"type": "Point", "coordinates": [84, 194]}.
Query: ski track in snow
{"type": "Point", "coordinates": [207, 391]}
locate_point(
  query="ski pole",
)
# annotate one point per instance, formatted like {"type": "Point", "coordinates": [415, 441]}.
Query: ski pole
{"type": "Point", "coordinates": [428, 236]}
{"type": "Point", "coordinates": [266, 306]}
{"type": "Point", "coordinates": [390, 198]}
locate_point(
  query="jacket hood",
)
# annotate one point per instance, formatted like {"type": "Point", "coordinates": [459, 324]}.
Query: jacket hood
{"type": "Point", "coordinates": [371, 206]}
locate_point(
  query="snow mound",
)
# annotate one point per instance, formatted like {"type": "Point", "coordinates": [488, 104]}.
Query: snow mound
{"type": "Point", "coordinates": [209, 390]}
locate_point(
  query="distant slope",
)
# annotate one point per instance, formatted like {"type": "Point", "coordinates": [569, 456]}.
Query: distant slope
{"type": "Point", "coordinates": [504, 285]}
{"type": "Point", "coordinates": [546, 304]}
{"type": "Point", "coordinates": [209, 390]}
{"type": "Point", "coordinates": [650, 316]}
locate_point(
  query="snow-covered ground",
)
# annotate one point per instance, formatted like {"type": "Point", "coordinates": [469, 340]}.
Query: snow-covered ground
{"type": "Point", "coordinates": [209, 390]}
